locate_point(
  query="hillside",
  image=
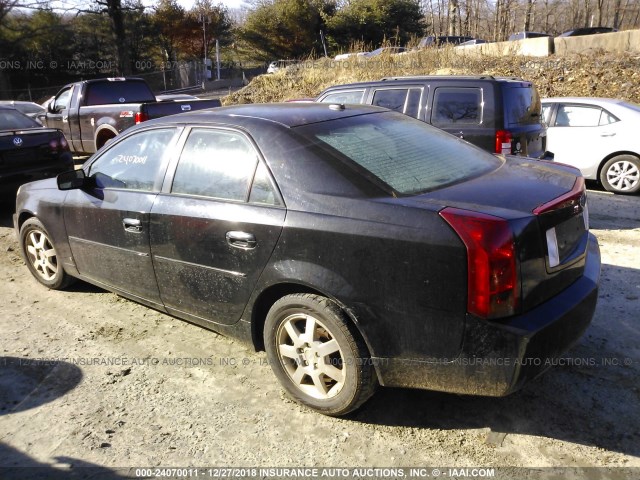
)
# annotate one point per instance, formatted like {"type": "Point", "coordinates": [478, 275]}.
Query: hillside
{"type": "Point", "coordinates": [598, 75]}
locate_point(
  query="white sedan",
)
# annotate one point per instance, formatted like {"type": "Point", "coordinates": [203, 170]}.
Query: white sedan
{"type": "Point", "coordinates": [597, 135]}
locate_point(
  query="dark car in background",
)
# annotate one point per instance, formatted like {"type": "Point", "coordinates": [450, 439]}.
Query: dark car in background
{"type": "Point", "coordinates": [30, 109]}
{"type": "Point", "coordinates": [587, 31]}
{"type": "Point", "coordinates": [28, 151]}
{"type": "Point", "coordinates": [499, 115]}
{"type": "Point", "coordinates": [525, 35]}
{"type": "Point", "coordinates": [356, 245]}
{"type": "Point", "coordinates": [442, 40]}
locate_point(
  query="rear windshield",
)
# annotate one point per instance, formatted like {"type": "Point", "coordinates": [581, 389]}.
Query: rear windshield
{"type": "Point", "coordinates": [407, 155]}
{"type": "Point", "coordinates": [522, 105]}
{"type": "Point", "coordinates": [104, 93]}
{"type": "Point", "coordinates": [13, 120]}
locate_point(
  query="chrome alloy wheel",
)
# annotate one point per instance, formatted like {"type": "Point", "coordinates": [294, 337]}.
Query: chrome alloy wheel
{"type": "Point", "coordinates": [311, 356]}
{"type": "Point", "coordinates": [42, 255]}
{"type": "Point", "coordinates": [623, 175]}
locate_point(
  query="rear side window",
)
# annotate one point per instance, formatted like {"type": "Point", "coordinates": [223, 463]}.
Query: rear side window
{"type": "Point", "coordinates": [582, 116]}
{"type": "Point", "coordinates": [522, 106]}
{"type": "Point", "coordinates": [407, 155]}
{"type": "Point", "coordinates": [104, 93]}
{"type": "Point", "coordinates": [401, 100]}
{"type": "Point", "coordinates": [457, 106]}
{"type": "Point", "coordinates": [393, 99]}
{"type": "Point", "coordinates": [217, 164]}
{"type": "Point", "coordinates": [353, 96]}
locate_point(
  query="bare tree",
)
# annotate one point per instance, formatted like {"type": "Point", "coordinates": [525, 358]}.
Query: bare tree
{"type": "Point", "coordinates": [453, 15]}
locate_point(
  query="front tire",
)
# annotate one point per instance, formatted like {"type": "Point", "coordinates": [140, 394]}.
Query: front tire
{"type": "Point", "coordinates": [318, 355]}
{"type": "Point", "coordinates": [41, 256]}
{"type": "Point", "coordinates": [621, 174]}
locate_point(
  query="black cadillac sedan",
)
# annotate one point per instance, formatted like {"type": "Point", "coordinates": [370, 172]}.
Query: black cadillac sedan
{"type": "Point", "coordinates": [357, 246]}
{"type": "Point", "coordinates": [28, 151]}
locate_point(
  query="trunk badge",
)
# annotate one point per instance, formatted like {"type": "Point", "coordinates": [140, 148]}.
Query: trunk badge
{"type": "Point", "coordinates": [17, 141]}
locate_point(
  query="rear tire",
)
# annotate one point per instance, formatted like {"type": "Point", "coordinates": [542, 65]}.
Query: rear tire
{"type": "Point", "coordinates": [41, 257]}
{"type": "Point", "coordinates": [318, 355]}
{"type": "Point", "coordinates": [621, 174]}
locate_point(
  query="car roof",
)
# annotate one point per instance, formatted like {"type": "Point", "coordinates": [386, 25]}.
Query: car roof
{"type": "Point", "coordinates": [286, 114]}
{"type": "Point", "coordinates": [418, 78]}
{"type": "Point", "coordinates": [592, 100]}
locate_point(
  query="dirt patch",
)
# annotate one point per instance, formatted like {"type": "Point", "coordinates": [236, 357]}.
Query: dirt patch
{"type": "Point", "coordinates": [599, 75]}
{"type": "Point", "coordinates": [102, 381]}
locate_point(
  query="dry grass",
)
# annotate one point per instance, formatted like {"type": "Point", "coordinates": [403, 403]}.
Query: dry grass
{"type": "Point", "coordinates": [604, 75]}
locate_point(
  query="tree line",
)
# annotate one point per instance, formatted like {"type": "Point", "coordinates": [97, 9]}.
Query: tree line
{"type": "Point", "coordinates": [44, 44]}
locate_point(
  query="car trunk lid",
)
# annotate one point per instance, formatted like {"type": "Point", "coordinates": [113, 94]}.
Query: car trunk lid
{"type": "Point", "coordinates": [546, 208]}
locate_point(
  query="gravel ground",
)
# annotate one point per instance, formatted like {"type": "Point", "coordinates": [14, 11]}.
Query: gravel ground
{"type": "Point", "coordinates": [132, 387]}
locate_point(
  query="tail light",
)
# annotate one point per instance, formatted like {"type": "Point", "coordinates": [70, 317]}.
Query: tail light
{"type": "Point", "coordinates": [503, 142]}
{"type": "Point", "coordinates": [141, 117]}
{"type": "Point", "coordinates": [58, 145]}
{"type": "Point", "coordinates": [492, 279]}
{"type": "Point", "coordinates": [64, 145]}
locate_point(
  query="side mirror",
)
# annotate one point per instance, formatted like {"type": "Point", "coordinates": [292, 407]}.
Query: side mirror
{"type": "Point", "coordinates": [71, 180]}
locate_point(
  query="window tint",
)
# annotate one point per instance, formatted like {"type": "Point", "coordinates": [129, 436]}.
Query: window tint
{"type": "Point", "coordinates": [406, 154]}
{"type": "Point", "coordinates": [10, 119]}
{"type": "Point", "coordinates": [413, 103]}
{"type": "Point", "coordinates": [262, 190]}
{"type": "Point", "coordinates": [217, 164]}
{"type": "Point", "coordinates": [354, 96]}
{"type": "Point", "coordinates": [606, 118]}
{"type": "Point", "coordinates": [62, 101]}
{"type": "Point", "coordinates": [546, 112]}
{"type": "Point", "coordinates": [393, 99]}
{"type": "Point", "coordinates": [130, 91]}
{"type": "Point", "coordinates": [457, 106]}
{"type": "Point", "coordinates": [521, 105]}
{"type": "Point", "coordinates": [29, 108]}
{"type": "Point", "coordinates": [577, 116]}
{"type": "Point", "coordinates": [135, 163]}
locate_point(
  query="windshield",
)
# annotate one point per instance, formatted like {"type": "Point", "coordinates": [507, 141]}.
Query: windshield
{"type": "Point", "coordinates": [407, 155]}
{"type": "Point", "coordinates": [12, 119]}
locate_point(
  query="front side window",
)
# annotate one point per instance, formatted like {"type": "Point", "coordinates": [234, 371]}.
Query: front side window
{"type": "Point", "coordinates": [62, 101]}
{"type": "Point", "coordinates": [217, 164]}
{"type": "Point", "coordinates": [457, 106]}
{"type": "Point", "coordinates": [135, 163]}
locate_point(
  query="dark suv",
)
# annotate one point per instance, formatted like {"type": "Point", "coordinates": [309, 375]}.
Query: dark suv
{"type": "Point", "coordinates": [500, 115]}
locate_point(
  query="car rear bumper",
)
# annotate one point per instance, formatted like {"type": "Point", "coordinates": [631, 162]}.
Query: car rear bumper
{"type": "Point", "coordinates": [498, 358]}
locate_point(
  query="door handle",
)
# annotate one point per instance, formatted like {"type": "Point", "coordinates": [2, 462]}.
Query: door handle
{"type": "Point", "coordinates": [608, 134]}
{"type": "Point", "coordinates": [242, 240]}
{"type": "Point", "coordinates": [132, 225]}
{"type": "Point", "coordinates": [65, 119]}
